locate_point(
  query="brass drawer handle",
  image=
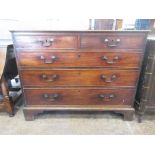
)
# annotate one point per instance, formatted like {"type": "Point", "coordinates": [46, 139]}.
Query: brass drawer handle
{"type": "Point", "coordinates": [46, 61]}
{"type": "Point", "coordinates": [112, 42]}
{"type": "Point", "coordinates": [46, 42]}
{"type": "Point", "coordinates": [51, 79]}
{"type": "Point", "coordinates": [51, 97]}
{"type": "Point", "coordinates": [106, 97]}
{"type": "Point", "coordinates": [112, 78]}
{"type": "Point", "coordinates": [106, 59]}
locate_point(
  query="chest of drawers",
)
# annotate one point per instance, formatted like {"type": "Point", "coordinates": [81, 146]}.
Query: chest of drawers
{"type": "Point", "coordinates": [79, 70]}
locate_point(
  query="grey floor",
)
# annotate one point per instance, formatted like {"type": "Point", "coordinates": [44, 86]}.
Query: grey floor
{"type": "Point", "coordinates": [79, 123]}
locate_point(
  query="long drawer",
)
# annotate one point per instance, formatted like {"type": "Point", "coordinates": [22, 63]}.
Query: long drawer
{"type": "Point", "coordinates": [83, 77]}
{"type": "Point", "coordinates": [79, 59]}
{"type": "Point", "coordinates": [119, 40]}
{"type": "Point", "coordinates": [47, 41]}
{"type": "Point", "coordinates": [79, 96]}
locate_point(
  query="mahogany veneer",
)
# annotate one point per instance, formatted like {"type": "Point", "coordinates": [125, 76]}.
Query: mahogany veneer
{"type": "Point", "coordinates": [79, 70]}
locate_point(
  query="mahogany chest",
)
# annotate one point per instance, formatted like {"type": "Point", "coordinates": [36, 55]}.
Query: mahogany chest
{"type": "Point", "coordinates": [79, 70]}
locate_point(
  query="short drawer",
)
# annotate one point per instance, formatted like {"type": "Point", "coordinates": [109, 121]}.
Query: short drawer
{"type": "Point", "coordinates": [46, 42]}
{"type": "Point", "coordinates": [79, 59]}
{"type": "Point", "coordinates": [79, 96]}
{"type": "Point", "coordinates": [130, 41]}
{"type": "Point", "coordinates": [83, 77]}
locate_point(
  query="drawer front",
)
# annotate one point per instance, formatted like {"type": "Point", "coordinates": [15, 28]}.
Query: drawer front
{"type": "Point", "coordinates": [80, 59]}
{"type": "Point", "coordinates": [79, 96]}
{"type": "Point", "coordinates": [85, 77]}
{"type": "Point", "coordinates": [46, 42]}
{"type": "Point", "coordinates": [113, 41]}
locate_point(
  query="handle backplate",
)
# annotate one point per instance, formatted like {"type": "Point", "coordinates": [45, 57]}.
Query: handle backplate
{"type": "Point", "coordinates": [108, 80]}
{"type": "Point", "coordinates": [51, 78]}
{"type": "Point", "coordinates": [46, 42]}
{"type": "Point", "coordinates": [52, 59]}
{"type": "Point", "coordinates": [112, 42]}
{"type": "Point", "coordinates": [114, 60]}
{"type": "Point", "coordinates": [51, 97]}
{"type": "Point", "coordinates": [106, 97]}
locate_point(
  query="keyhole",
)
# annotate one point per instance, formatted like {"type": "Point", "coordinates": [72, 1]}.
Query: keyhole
{"type": "Point", "coordinates": [79, 55]}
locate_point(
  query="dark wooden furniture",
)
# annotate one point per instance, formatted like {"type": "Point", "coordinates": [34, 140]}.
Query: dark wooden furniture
{"type": "Point", "coordinates": [103, 24]}
{"type": "Point", "coordinates": [8, 71]}
{"type": "Point", "coordinates": [5, 101]}
{"type": "Point", "coordinates": [79, 70]}
{"type": "Point", "coordinates": [145, 97]}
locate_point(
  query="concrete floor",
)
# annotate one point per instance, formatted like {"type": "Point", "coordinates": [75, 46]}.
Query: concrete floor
{"type": "Point", "coordinates": [79, 123]}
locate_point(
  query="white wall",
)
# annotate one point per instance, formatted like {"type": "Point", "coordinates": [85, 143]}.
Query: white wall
{"type": "Point", "coordinates": [47, 24]}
